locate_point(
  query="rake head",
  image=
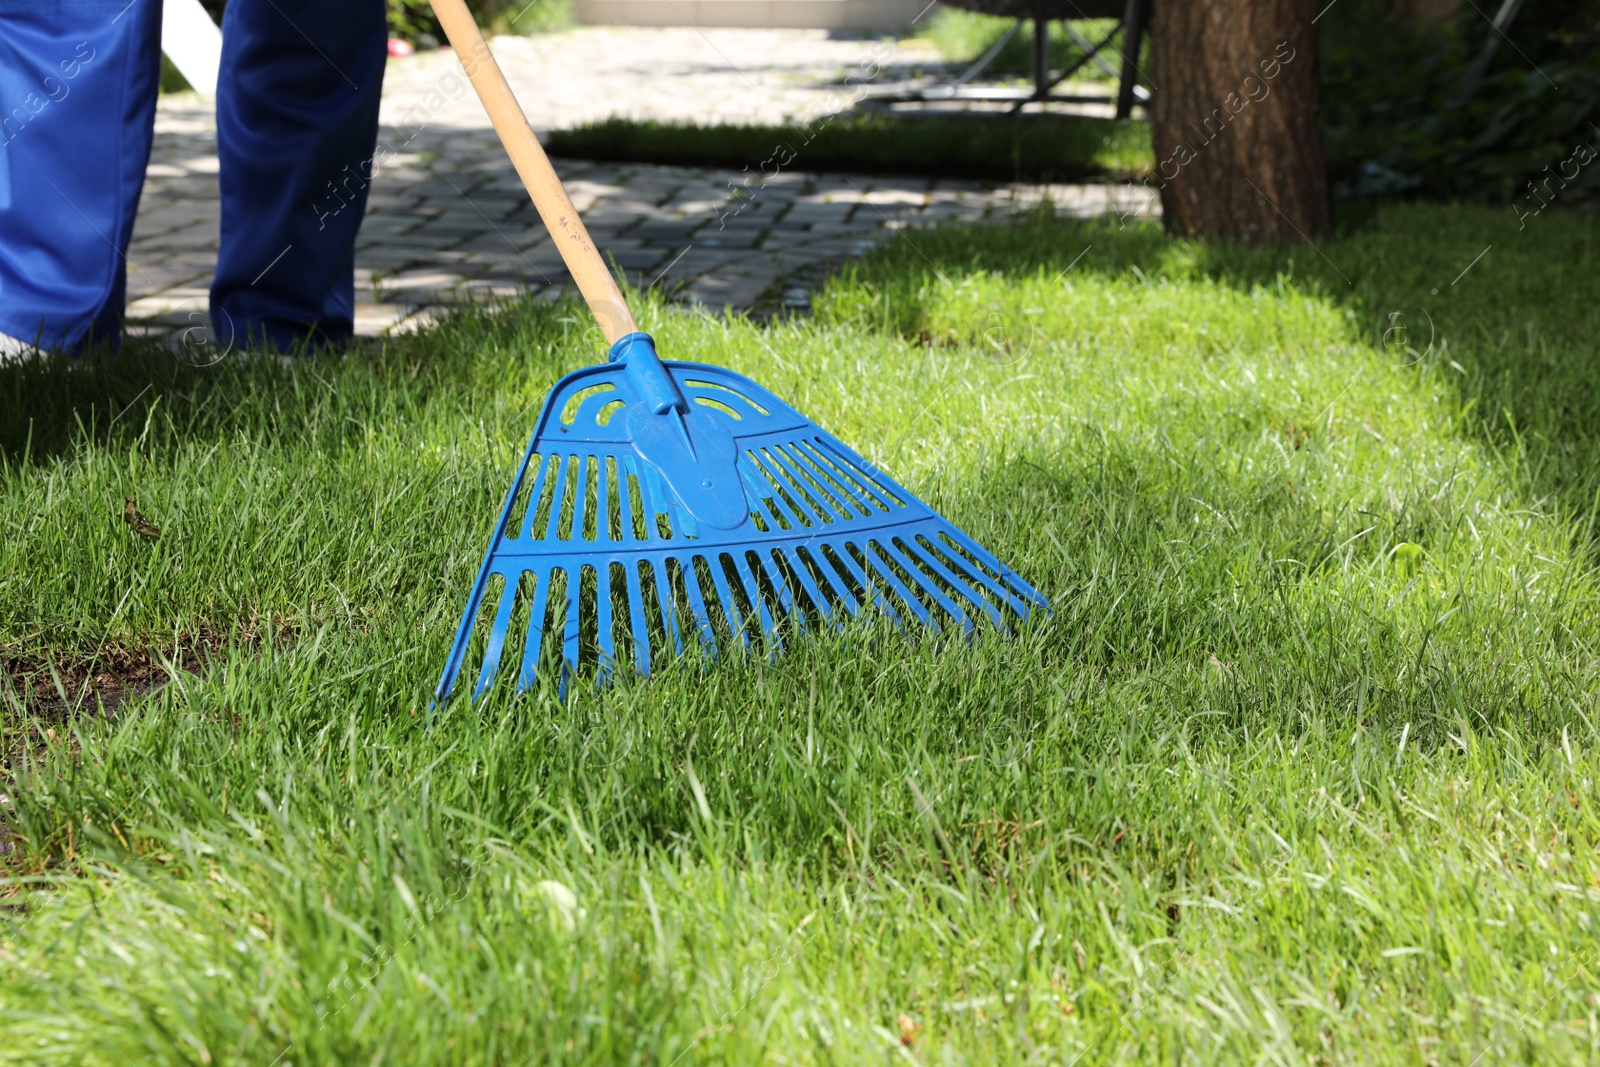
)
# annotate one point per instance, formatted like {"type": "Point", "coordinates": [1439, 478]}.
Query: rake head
{"type": "Point", "coordinates": [663, 503]}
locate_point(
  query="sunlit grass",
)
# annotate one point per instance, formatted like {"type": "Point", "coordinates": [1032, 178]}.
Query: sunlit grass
{"type": "Point", "coordinates": [963, 36]}
{"type": "Point", "coordinates": [1301, 767]}
{"type": "Point", "coordinates": [1023, 148]}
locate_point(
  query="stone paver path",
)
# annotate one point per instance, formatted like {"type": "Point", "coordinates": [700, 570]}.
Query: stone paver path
{"type": "Point", "coordinates": [448, 220]}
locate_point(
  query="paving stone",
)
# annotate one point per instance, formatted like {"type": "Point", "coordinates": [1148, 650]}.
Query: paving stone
{"type": "Point", "coordinates": [448, 219]}
{"type": "Point", "coordinates": [750, 221]}
{"type": "Point", "coordinates": [203, 259]}
{"type": "Point", "coordinates": [697, 262]}
{"type": "Point", "coordinates": [489, 293]}
{"type": "Point", "coordinates": [384, 264]}
{"type": "Point", "coordinates": [147, 278]}
{"type": "Point", "coordinates": [637, 258]}
{"type": "Point", "coordinates": [730, 239]}
{"type": "Point", "coordinates": [659, 232]}
{"type": "Point", "coordinates": [497, 243]}
{"type": "Point", "coordinates": [373, 319]}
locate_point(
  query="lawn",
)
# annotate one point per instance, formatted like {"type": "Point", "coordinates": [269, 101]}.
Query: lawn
{"type": "Point", "coordinates": [1301, 768]}
{"type": "Point", "coordinates": [1024, 148]}
{"type": "Point", "coordinates": [962, 36]}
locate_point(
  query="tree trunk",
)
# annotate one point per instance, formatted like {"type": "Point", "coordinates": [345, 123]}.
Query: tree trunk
{"type": "Point", "coordinates": [1236, 119]}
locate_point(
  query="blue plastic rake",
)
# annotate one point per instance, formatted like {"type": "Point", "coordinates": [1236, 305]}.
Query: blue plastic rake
{"type": "Point", "coordinates": [660, 503]}
{"type": "Point", "coordinates": [665, 504]}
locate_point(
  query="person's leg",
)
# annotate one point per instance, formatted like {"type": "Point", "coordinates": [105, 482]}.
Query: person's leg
{"type": "Point", "coordinates": [78, 84]}
{"type": "Point", "coordinates": [297, 122]}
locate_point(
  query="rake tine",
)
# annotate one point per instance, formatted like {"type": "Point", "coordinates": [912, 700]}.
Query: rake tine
{"type": "Point", "coordinates": [873, 595]}
{"type": "Point", "coordinates": [771, 514]}
{"type": "Point", "coordinates": [784, 460]}
{"type": "Point", "coordinates": [625, 500]}
{"type": "Point", "coordinates": [669, 614]}
{"type": "Point", "coordinates": [632, 467]}
{"type": "Point", "coordinates": [780, 514]}
{"type": "Point", "coordinates": [603, 628]}
{"type": "Point", "coordinates": [654, 501]}
{"type": "Point", "coordinates": [881, 595]}
{"type": "Point", "coordinates": [697, 607]}
{"type": "Point", "coordinates": [780, 498]}
{"type": "Point", "coordinates": [876, 485]}
{"type": "Point", "coordinates": [952, 566]}
{"type": "Point", "coordinates": [758, 569]}
{"type": "Point", "coordinates": [1001, 575]}
{"type": "Point", "coordinates": [802, 565]}
{"type": "Point", "coordinates": [533, 496]}
{"type": "Point", "coordinates": [747, 578]}
{"type": "Point", "coordinates": [886, 572]}
{"type": "Point", "coordinates": [681, 520]}
{"type": "Point", "coordinates": [557, 504]}
{"type": "Point", "coordinates": [839, 574]}
{"type": "Point", "coordinates": [757, 488]}
{"type": "Point", "coordinates": [497, 637]}
{"type": "Point", "coordinates": [847, 470]}
{"type": "Point", "coordinates": [636, 620]}
{"type": "Point", "coordinates": [530, 650]}
{"type": "Point", "coordinates": [569, 637]}
{"type": "Point", "coordinates": [730, 607]}
{"type": "Point", "coordinates": [909, 560]}
{"type": "Point", "coordinates": [602, 509]}
{"type": "Point", "coordinates": [808, 469]}
{"type": "Point", "coordinates": [580, 497]}
{"type": "Point", "coordinates": [788, 593]}
{"type": "Point", "coordinates": [452, 668]}
{"type": "Point", "coordinates": [864, 501]}
{"type": "Point", "coordinates": [931, 561]}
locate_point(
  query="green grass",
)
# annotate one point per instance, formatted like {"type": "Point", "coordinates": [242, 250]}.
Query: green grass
{"type": "Point", "coordinates": [963, 36]}
{"type": "Point", "coordinates": [1027, 149]}
{"type": "Point", "coordinates": [410, 19]}
{"type": "Point", "coordinates": [1302, 768]}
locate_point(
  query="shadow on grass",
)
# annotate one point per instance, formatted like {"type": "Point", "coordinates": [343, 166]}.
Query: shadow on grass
{"type": "Point", "coordinates": [1024, 148]}
{"type": "Point", "coordinates": [55, 403]}
{"type": "Point", "coordinates": [1228, 592]}
{"type": "Point", "coordinates": [1506, 312]}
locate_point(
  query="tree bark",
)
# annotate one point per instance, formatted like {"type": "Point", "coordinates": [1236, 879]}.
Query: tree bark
{"type": "Point", "coordinates": [1237, 121]}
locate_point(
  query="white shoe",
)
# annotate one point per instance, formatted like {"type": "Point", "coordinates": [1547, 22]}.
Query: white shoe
{"type": "Point", "coordinates": [13, 349]}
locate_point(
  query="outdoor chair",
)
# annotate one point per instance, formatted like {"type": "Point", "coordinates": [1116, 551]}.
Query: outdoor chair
{"type": "Point", "coordinates": [1132, 18]}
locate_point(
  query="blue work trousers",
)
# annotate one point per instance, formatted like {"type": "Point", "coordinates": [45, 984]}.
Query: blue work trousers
{"type": "Point", "coordinates": [297, 121]}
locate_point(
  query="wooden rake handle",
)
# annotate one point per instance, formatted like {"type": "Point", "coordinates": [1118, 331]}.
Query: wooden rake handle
{"type": "Point", "coordinates": [583, 260]}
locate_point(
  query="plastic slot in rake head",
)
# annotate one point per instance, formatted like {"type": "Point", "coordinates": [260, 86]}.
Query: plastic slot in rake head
{"type": "Point", "coordinates": [660, 503]}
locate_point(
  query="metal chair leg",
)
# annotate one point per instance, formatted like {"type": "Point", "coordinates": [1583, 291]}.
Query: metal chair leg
{"type": "Point", "coordinates": [1134, 19]}
{"type": "Point", "coordinates": [981, 64]}
{"type": "Point", "coordinates": [1041, 58]}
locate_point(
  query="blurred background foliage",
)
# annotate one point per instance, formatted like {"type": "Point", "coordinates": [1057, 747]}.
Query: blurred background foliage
{"type": "Point", "coordinates": [1403, 113]}
{"type": "Point", "coordinates": [413, 21]}
{"type": "Point", "coordinates": [963, 36]}
{"type": "Point", "coordinates": [1400, 122]}
{"type": "Point", "coordinates": [1402, 118]}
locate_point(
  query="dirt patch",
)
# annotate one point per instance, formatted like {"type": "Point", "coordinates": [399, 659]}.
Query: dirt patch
{"type": "Point", "coordinates": [40, 694]}
{"type": "Point", "coordinates": [42, 691]}
{"type": "Point", "coordinates": [47, 686]}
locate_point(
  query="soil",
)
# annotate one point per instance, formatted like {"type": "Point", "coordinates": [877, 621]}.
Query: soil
{"type": "Point", "coordinates": [100, 683]}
